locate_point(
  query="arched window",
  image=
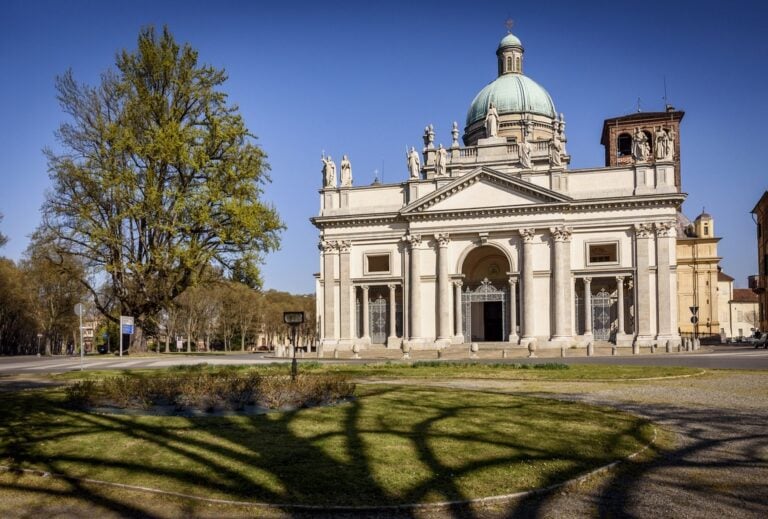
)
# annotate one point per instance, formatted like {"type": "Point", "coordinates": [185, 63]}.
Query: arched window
{"type": "Point", "coordinates": [509, 64]}
{"type": "Point", "coordinates": [518, 64]}
{"type": "Point", "coordinates": [624, 145]}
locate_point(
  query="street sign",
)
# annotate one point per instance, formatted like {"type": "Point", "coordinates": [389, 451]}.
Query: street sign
{"type": "Point", "coordinates": [293, 318]}
{"type": "Point", "coordinates": [694, 309]}
{"type": "Point", "coordinates": [126, 324]}
{"type": "Point", "coordinates": [694, 319]}
{"type": "Point", "coordinates": [79, 309]}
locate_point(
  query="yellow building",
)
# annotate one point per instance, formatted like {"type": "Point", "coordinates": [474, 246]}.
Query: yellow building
{"type": "Point", "coordinates": [697, 275]}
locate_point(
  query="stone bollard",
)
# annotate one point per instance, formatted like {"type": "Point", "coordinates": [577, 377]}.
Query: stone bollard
{"type": "Point", "coordinates": [290, 351]}
{"type": "Point", "coordinates": [320, 350]}
{"type": "Point", "coordinates": [590, 349]}
{"type": "Point", "coordinates": [614, 350]}
{"type": "Point", "coordinates": [562, 352]}
{"type": "Point", "coordinates": [697, 344]}
{"type": "Point", "coordinates": [439, 354]}
{"type": "Point", "coordinates": [532, 349]}
{"type": "Point", "coordinates": [635, 349]}
{"type": "Point", "coordinates": [406, 349]}
{"type": "Point", "coordinates": [473, 349]}
{"type": "Point", "coordinates": [688, 344]}
{"type": "Point", "coordinates": [669, 346]}
{"type": "Point", "coordinates": [504, 353]}
{"type": "Point", "coordinates": [653, 348]}
{"type": "Point", "coordinates": [335, 353]}
{"type": "Point", "coordinates": [356, 351]}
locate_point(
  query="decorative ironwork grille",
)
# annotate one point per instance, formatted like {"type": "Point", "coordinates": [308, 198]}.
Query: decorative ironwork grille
{"type": "Point", "coordinates": [377, 317]}
{"type": "Point", "coordinates": [603, 315]}
{"type": "Point", "coordinates": [484, 293]}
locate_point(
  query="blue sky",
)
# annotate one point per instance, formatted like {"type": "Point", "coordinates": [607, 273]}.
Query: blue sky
{"type": "Point", "coordinates": [348, 77]}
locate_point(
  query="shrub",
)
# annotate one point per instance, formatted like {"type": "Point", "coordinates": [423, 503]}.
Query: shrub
{"type": "Point", "coordinates": [196, 389]}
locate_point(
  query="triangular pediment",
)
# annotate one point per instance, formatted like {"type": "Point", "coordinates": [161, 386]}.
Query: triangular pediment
{"type": "Point", "coordinates": [482, 189]}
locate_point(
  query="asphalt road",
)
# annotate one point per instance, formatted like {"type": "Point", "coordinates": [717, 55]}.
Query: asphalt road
{"type": "Point", "coordinates": [723, 357]}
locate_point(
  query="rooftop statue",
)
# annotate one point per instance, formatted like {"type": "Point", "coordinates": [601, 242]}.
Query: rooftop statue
{"type": "Point", "coordinates": [441, 160]}
{"type": "Point", "coordinates": [346, 172]}
{"type": "Point", "coordinates": [524, 148]}
{"type": "Point", "coordinates": [556, 150]}
{"type": "Point", "coordinates": [492, 122]}
{"type": "Point", "coordinates": [329, 171]}
{"type": "Point", "coordinates": [414, 163]}
{"type": "Point", "coordinates": [665, 143]}
{"type": "Point", "coordinates": [641, 148]}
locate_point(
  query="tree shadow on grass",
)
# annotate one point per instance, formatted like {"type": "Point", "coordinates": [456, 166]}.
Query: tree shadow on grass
{"type": "Point", "coordinates": [330, 457]}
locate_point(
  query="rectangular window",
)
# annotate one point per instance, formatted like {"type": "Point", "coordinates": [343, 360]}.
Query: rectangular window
{"type": "Point", "coordinates": [376, 263]}
{"type": "Point", "coordinates": [603, 253]}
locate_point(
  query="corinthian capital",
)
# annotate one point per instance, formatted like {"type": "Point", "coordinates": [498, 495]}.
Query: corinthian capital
{"type": "Point", "coordinates": [344, 245]}
{"type": "Point", "coordinates": [562, 233]}
{"type": "Point", "coordinates": [643, 230]}
{"type": "Point", "coordinates": [442, 239]}
{"type": "Point", "coordinates": [414, 240]}
{"type": "Point", "coordinates": [665, 229]}
{"type": "Point", "coordinates": [527, 234]}
{"type": "Point", "coordinates": [327, 245]}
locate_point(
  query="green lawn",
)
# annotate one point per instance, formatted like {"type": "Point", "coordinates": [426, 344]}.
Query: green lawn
{"type": "Point", "coordinates": [390, 445]}
{"type": "Point", "coordinates": [435, 369]}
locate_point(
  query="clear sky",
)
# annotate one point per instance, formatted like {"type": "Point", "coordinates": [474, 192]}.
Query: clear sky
{"type": "Point", "coordinates": [364, 78]}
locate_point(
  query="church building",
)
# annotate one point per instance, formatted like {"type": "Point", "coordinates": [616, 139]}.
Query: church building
{"type": "Point", "coordinates": [496, 239]}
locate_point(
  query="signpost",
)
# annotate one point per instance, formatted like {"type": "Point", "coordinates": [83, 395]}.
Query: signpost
{"type": "Point", "coordinates": [293, 319]}
{"type": "Point", "coordinates": [126, 328]}
{"type": "Point", "coordinates": [79, 311]}
{"type": "Point", "coordinates": [695, 320]}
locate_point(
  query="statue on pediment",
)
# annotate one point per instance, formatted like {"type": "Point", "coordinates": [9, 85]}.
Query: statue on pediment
{"type": "Point", "coordinates": [346, 172]}
{"type": "Point", "coordinates": [329, 171]}
{"type": "Point", "coordinates": [414, 163]}
{"type": "Point", "coordinates": [492, 122]}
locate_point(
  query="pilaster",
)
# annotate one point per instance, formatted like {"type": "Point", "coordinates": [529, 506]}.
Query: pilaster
{"type": "Point", "coordinates": [528, 236]}
{"type": "Point", "coordinates": [329, 251]}
{"type": "Point", "coordinates": [443, 291]}
{"type": "Point", "coordinates": [643, 235]}
{"type": "Point", "coordinates": [562, 284]}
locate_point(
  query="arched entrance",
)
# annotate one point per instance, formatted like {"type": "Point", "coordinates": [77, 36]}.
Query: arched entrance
{"type": "Point", "coordinates": [485, 295]}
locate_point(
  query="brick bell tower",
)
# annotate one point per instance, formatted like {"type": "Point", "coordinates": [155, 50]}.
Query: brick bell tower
{"type": "Point", "coordinates": [644, 137]}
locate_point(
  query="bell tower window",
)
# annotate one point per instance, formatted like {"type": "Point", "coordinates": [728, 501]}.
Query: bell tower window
{"type": "Point", "coordinates": [509, 64]}
{"type": "Point", "coordinates": [624, 145]}
{"type": "Point", "coordinates": [517, 68]}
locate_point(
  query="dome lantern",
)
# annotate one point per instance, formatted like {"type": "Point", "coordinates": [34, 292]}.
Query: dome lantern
{"type": "Point", "coordinates": [510, 55]}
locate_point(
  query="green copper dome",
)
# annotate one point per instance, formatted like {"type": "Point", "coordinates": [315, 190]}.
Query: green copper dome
{"type": "Point", "coordinates": [511, 93]}
{"type": "Point", "coordinates": [510, 40]}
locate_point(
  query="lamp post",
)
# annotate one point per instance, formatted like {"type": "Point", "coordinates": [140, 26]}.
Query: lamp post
{"type": "Point", "coordinates": [293, 319]}
{"type": "Point", "coordinates": [80, 310]}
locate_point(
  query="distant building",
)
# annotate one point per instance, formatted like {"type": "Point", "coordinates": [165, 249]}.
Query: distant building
{"type": "Point", "coordinates": [759, 282]}
{"type": "Point", "coordinates": [698, 275]}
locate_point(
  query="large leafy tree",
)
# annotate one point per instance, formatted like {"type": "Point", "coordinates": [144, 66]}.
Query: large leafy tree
{"type": "Point", "coordinates": [3, 238]}
{"type": "Point", "coordinates": [159, 179]}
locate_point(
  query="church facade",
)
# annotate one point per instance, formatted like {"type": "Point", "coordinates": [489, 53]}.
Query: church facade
{"type": "Point", "coordinates": [496, 239]}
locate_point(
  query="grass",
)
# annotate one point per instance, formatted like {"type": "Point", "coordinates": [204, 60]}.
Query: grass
{"type": "Point", "coordinates": [390, 445]}
{"type": "Point", "coordinates": [430, 370]}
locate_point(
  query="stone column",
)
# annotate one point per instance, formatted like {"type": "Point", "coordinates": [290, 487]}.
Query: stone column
{"type": "Point", "coordinates": [345, 294]}
{"type": "Point", "coordinates": [366, 325]}
{"type": "Point", "coordinates": [620, 302]}
{"type": "Point", "coordinates": [329, 281]}
{"type": "Point", "coordinates": [562, 282]}
{"type": "Point", "coordinates": [643, 234]}
{"type": "Point", "coordinates": [587, 306]}
{"type": "Point", "coordinates": [528, 295]}
{"type": "Point", "coordinates": [458, 332]}
{"type": "Point", "coordinates": [513, 337]}
{"type": "Point", "coordinates": [392, 312]}
{"type": "Point", "coordinates": [665, 307]}
{"type": "Point", "coordinates": [414, 288]}
{"type": "Point", "coordinates": [443, 290]}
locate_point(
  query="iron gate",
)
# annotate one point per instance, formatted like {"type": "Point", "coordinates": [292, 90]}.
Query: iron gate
{"type": "Point", "coordinates": [603, 314]}
{"type": "Point", "coordinates": [484, 293]}
{"type": "Point", "coordinates": [377, 317]}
